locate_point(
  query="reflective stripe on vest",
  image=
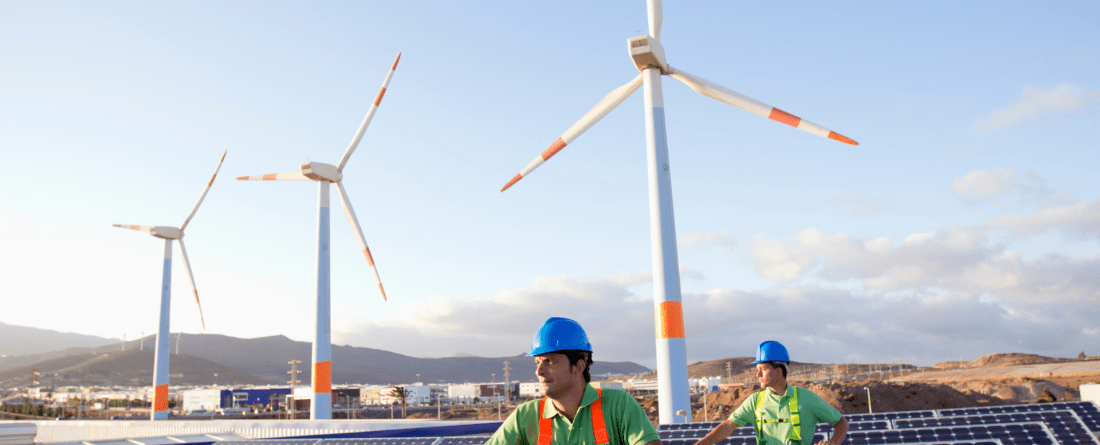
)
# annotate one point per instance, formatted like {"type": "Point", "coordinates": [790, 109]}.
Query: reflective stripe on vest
{"type": "Point", "coordinates": [546, 425]}
{"type": "Point", "coordinates": [792, 407]}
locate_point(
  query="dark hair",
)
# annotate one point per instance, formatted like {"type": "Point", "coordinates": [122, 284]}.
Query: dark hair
{"type": "Point", "coordinates": [576, 355]}
{"type": "Point", "coordinates": [779, 365]}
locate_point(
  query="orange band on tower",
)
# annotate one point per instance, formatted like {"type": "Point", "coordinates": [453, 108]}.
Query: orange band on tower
{"type": "Point", "coordinates": [160, 398]}
{"type": "Point", "coordinates": [322, 377]}
{"type": "Point", "coordinates": [670, 320]}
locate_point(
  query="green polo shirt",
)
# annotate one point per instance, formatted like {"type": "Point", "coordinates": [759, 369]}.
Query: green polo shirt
{"type": "Point", "coordinates": [811, 409]}
{"type": "Point", "coordinates": [624, 419]}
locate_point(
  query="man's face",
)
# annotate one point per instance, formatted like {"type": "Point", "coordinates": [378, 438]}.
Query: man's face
{"type": "Point", "coordinates": [556, 375]}
{"type": "Point", "coordinates": [768, 374]}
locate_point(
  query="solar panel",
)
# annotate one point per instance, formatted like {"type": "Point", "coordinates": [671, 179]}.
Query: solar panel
{"type": "Point", "coordinates": [688, 426]}
{"type": "Point", "coordinates": [465, 440]}
{"type": "Point", "coordinates": [1066, 426]}
{"type": "Point", "coordinates": [1086, 411]}
{"type": "Point", "coordinates": [383, 441]}
{"type": "Point", "coordinates": [890, 415]}
{"type": "Point", "coordinates": [1033, 433]}
{"type": "Point", "coordinates": [272, 442]}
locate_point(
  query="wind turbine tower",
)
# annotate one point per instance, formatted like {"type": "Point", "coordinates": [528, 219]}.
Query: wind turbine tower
{"type": "Point", "coordinates": [160, 361]}
{"type": "Point", "coordinates": [649, 58]}
{"type": "Point", "coordinates": [326, 174]}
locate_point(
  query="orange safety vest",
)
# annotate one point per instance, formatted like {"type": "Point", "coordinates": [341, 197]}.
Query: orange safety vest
{"type": "Point", "coordinates": [546, 425]}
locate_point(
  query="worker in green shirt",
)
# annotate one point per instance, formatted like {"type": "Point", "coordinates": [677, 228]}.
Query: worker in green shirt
{"type": "Point", "coordinates": [572, 411]}
{"type": "Point", "coordinates": [782, 414]}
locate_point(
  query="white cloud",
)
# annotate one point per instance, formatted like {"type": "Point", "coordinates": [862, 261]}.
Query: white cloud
{"type": "Point", "coordinates": [983, 184]}
{"type": "Point", "coordinates": [1079, 221]}
{"type": "Point", "coordinates": [929, 297]}
{"type": "Point", "coordinates": [1035, 103]}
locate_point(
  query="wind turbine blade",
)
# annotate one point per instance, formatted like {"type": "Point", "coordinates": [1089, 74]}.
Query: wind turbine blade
{"type": "Point", "coordinates": [350, 213]}
{"type": "Point", "coordinates": [288, 176]}
{"type": "Point", "coordinates": [370, 115]}
{"type": "Point", "coordinates": [715, 91]}
{"type": "Point", "coordinates": [203, 195]}
{"type": "Point", "coordinates": [653, 8]}
{"type": "Point", "coordinates": [195, 290]}
{"type": "Point", "coordinates": [604, 106]}
{"type": "Point", "coordinates": [147, 229]}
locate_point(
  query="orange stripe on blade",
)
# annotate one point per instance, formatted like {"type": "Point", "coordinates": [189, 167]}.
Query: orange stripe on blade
{"type": "Point", "coordinates": [160, 398]}
{"type": "Point", "coordinates": [322, 377]}
{"type": "Point", "coordinates": [269, 177]}
{"type": "Point", "coordinates": [784, 117]}
{"type": "Point", "coordinates": [378, 99]}
{"type": "Point", "coordinates": [370, 259]}
{"type": "Point", "coordinates": [670, 320]}
{"type": "Point", "coordinates": [513, 181]}
{"type": "Point", "coordinates": [383, 292]}
{"type": "Point", "coordinates": [554, 149]}
{"type": "Point", "coordinates": [839, 137]}
{"type": "Point", "coordinates": [398, 59]}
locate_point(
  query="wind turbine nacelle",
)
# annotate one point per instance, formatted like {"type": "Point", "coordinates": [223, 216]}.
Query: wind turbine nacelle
{"type": "Point", "coordinates": [164, 232]}
{"type": "Point", "coordinates": [647, 52]}
{"type": "Point", "coordinates": [318, 171]}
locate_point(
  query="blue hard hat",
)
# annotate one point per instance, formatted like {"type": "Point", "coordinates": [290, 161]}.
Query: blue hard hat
{"type": "Point", "coordinates": [559, 334]}
{"type": "Point", "coordinates": [771, 351]}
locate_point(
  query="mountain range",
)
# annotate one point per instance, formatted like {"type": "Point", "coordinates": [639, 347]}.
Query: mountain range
{"type": "Point", "coordinates": [72, 361]}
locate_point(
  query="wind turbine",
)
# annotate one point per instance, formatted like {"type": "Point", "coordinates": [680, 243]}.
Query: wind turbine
{"type": "Point", "coordinates": [325, 174]}
{"type": "Point", "coordinates": [160, 361]}
{"type": "Point", "coordinates": [649, 57]}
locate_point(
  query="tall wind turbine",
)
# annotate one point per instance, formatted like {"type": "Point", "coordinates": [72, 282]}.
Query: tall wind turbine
{"type": "Point", "coordinates": [649, 57]}
{"type": "Point", "coordinates": [160, 362]}
{"type": "Point", "coordinates": [325, 174]}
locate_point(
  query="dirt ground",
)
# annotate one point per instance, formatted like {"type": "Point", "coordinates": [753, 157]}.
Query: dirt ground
{"type": "Point", "coordinates": [987, 381]}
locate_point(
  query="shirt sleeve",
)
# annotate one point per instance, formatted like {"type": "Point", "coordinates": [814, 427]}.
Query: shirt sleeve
{"type": "Point", "coordinates": [509, 433]}
{"type": "Point", "coordinates": [746, 413]}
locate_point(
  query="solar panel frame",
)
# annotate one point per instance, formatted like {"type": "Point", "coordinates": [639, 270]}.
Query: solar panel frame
{"type": "Point", "coordinates": [272, 442]}
{"type": "Point", "coordinates": [463, 440]}
{"type": "Point", "coordinates": [383, 441]}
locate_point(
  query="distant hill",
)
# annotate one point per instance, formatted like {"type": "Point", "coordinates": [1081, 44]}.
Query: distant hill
{"type": "Point", "coordinates": [24, 340]}
{"type": "Point", "coordinates": [265, 360]}
{"type": "Point", "coordinates": [131, 368]}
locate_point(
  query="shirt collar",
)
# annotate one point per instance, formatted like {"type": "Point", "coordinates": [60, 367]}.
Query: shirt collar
{"type": "Point", "coordinates": [590, 395]}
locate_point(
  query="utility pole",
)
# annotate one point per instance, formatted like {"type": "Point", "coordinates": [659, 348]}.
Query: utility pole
{"type": "Point", "coordinates": [123, 342]}
{"type": "Point", "coordinates": [507, 383]}
{"type": "Point", "coordinates": [729, 372]}
{"type": "Point", "coordinates": [293, 373]}
{"type": "Point", "coordinates": [178, 335]}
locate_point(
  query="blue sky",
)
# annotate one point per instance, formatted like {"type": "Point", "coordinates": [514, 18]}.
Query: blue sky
{"type": "Point", "coordinates": [966, 222]}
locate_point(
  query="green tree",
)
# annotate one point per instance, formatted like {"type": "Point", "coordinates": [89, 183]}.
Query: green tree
{"type": "Point", "coordinates": [400, 393]}
{"type": "Point", "coordinates": [1081, 356]}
